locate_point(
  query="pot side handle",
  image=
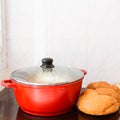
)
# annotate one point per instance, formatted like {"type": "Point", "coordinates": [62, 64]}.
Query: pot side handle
{"type": "Point", "coordinates": [84, 71]}
{"type": "Point", "coordinates": [8, 83]}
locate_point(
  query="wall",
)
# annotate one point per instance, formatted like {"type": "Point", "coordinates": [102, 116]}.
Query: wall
{"type": "Point", "coordinates": [77, 33]}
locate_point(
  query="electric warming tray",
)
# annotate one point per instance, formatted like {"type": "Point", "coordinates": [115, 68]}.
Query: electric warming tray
{"type": "Point", "coordinates": [9, 110]}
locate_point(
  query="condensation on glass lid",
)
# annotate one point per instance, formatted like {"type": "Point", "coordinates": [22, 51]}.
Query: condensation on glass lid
{"type": "Point", "coordinates": [48, 76]}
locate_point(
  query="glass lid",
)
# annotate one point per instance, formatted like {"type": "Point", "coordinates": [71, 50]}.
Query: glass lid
{"type": "Point", "coordinates": [47, 74]}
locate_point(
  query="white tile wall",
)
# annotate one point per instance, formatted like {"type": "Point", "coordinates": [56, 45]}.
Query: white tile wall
{"type": "Point", "coordinates": [77, 33]}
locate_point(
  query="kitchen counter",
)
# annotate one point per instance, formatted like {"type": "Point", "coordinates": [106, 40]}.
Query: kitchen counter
{"type": "Point", "coordinates": [9, 110]}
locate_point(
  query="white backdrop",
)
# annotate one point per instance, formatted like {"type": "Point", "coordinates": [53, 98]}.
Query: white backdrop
{"type": "Point", "coordinates": [77, 33]}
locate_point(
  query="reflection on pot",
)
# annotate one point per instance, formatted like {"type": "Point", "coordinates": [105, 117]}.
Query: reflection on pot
{"type": "Point", "coordinates": [73, 115]}
{"type": "Point", "coordinates": [114, 116]}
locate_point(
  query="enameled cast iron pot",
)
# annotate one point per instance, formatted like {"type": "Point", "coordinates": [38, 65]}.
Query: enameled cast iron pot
{"type": "Point", "coordinates": [47, 90]}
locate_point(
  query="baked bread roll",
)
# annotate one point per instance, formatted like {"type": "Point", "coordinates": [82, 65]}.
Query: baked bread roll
{"type": "Point", "coordinates": [102, 84]}
{"type": "Point", "coordinates": [99, 98]}
{"type": "Point", "coordinates": [105, 88]}
{"type": "Point", "coordinates": [90, 102]}
{"type": "Point", "coordinates": [110, 92]}
{"type": "Point", "coordinates": [99, 84]}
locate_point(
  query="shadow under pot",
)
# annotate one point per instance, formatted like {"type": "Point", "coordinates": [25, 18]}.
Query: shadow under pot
{"type": "Point", "coordinates": [73, 115]}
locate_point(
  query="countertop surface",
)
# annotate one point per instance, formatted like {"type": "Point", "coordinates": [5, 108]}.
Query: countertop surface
{"type": "Point", "coordinates": [9, 110]}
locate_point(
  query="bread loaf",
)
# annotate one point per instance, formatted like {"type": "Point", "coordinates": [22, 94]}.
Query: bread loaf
{"type": "Point", "coordinates": [99, 98]}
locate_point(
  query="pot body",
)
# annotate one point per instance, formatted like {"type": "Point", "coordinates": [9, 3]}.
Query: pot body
{"type": "Point", "coordinates": [45, 100]}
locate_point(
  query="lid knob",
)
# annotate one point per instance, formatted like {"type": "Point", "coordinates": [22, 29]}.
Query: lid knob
{"type": "Point", "coordinates": [47, 63]}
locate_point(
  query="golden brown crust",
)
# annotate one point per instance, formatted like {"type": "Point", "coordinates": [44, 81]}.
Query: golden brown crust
{"type": "Point", "coordinates": [103, 84]}
{"type": "Point", "coordinates": [95, 104]}
{"type": "Point", "coordinates": [99, 84]}
{"type": "Point", "coordinates": [99, 98]}
{"type": "Point", "coordinates": [110, 92]}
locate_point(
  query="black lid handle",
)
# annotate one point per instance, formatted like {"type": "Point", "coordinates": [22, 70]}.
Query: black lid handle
{"type": "Point", "coordinates": [47, 63]}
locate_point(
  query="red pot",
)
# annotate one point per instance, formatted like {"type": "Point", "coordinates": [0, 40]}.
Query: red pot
{"type": "Point", "coordinates": [45, 99]}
